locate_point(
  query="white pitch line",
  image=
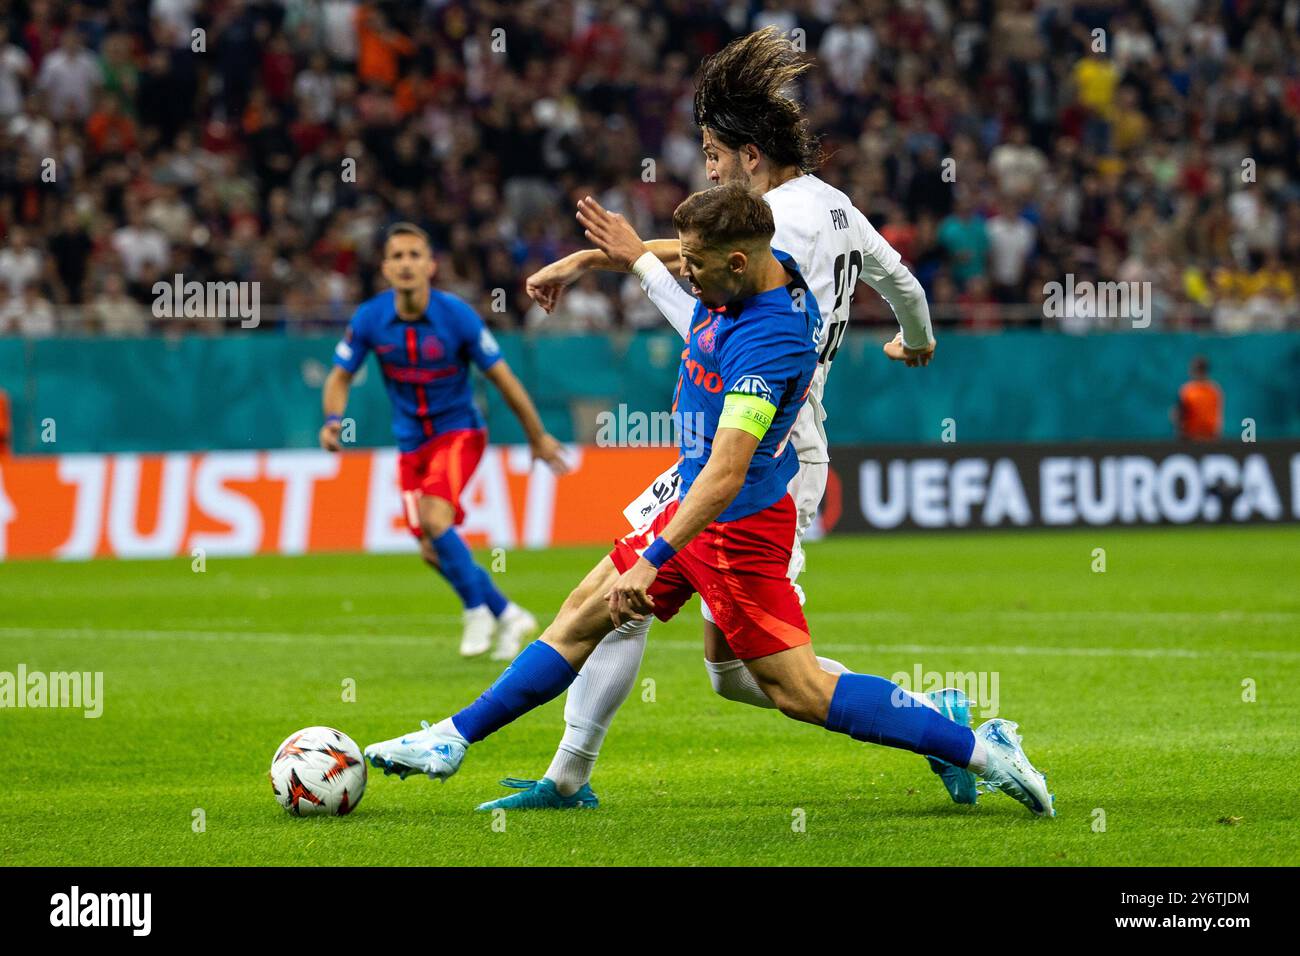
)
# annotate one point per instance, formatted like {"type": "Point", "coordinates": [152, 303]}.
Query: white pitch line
{"type": "Point", "coordinates": [1144, 617]}
{"type": "Point", "coordinates": [256, 637]}
{"type": "Point", "coordinates": [912, 618]}
{"type": "Point", "coordinates": [1025, 650]}
{"type": "Point", "coordinates": [418, 640]}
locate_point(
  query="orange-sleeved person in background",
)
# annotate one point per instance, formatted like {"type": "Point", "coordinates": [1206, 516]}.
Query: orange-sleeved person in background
{"type": "Point", "coordinates": [379, 48]}
{"type": "Point", "coordinates": [1199, 413]}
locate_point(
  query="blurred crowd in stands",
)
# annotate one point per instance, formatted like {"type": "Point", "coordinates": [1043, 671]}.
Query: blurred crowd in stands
{"type": "Point", "coordinates": [999, 145]}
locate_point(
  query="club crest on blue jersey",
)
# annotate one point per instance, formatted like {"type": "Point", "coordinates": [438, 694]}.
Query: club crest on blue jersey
{"type": "Point", "coordinates": [431, 349]}
{"type": "Point", "coordinates": [708, 338]}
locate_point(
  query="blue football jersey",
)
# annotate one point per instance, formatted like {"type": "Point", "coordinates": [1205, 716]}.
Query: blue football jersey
{"type": "Point", "coordinates": [425, 363]}
{"type": "Point", "coordinates": [764, 346]}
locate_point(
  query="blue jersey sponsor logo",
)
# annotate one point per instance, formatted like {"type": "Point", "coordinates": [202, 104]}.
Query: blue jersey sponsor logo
{"type": "Point", "coordinates": [752, 385]}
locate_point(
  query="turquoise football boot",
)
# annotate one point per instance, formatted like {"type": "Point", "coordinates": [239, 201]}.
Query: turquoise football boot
{"type": "Point", "coordinates": [960, 783]}
{"type": "Point", "coordinates": [541, 795]}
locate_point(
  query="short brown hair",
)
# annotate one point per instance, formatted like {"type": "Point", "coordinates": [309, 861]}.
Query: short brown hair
{"type": "Point", "coordinates": [726, 215]}
{"type": "Point", "coordinates": [406, 229]}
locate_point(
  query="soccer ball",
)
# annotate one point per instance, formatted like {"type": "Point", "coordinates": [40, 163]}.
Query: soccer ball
{"type": "Point", "coordinates": [318, 770]}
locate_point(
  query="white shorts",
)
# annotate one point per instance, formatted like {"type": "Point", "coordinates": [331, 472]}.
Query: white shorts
{"type": "Point", "coordinates": [806, 488]}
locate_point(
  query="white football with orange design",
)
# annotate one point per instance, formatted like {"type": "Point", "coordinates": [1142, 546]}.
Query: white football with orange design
{"type": "Point", "coordinates": [318, 770]}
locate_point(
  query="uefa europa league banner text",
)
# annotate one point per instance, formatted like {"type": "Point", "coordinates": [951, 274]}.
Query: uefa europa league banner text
{"type": "Point", "coordinates": [956, 486]}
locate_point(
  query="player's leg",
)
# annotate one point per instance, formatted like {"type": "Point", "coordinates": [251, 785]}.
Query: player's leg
{"type": "Point", "coordinates": [430, 520]}
{"type": "Point", "coordinates": [863, 706]}
{"type": "Point", "coordinates": [593, 699]}
{"type": "Point", "coordinates": [427, 521]}
{"type": "Point", "coordinates": [451, 461]}
{"type": "Point", "coordinates": [540, 673]}
{"type": "Point", "coordinates": [429, 555]}
{"type": "Point", "coordinates": [743, 574]}
{"type": "Point", "coordinates": [876, 710]}
{"type": "Point", "coordinates": [807, 488]}
{"type": "Point", "coordinates": [606, 680]}
{"type": "Point", "coordinates": [731, 679]}
{"type": "Point", "coordinates": [453, 561]}
{"type": "Point", "coordinates": [727, 674]}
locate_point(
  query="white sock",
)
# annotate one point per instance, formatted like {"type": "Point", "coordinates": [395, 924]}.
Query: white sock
{"type": "Point", "coordinates": [732, 680]}
{"type": "Point", "coordinates": [602, 685]}
{"type": "Point", "coordinates": [832, 666]}
{"type": "Point", "coordinates": [979, 758]}
{"type": "Point", "coordinates": [445, 726]}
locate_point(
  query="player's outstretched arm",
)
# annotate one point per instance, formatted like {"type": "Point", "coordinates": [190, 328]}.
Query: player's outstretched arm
{"type": "Point", "coordinates": [334, 402]}
{"type": "Point", "coordinates": [914, 343]}
{"type": "Point", "coordinates": [883, 270]}
{"type": "Point", "coordinates": [620, 244]}
{"type": "Point", "coordinates": [716, 487]}
{"type": "Point", "coordinates": [897, 350]}
{"type": "Point", "coordinates": [547, 284]}
{"type": "Point", "coordinates": [544, 445]}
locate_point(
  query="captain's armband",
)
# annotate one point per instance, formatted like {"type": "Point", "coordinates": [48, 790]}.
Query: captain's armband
{"type": "Point", "coordinates": [749, 413]}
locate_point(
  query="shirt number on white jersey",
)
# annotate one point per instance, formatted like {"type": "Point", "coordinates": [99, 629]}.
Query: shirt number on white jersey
{"type": "Point", "coordinates": [848, 267]}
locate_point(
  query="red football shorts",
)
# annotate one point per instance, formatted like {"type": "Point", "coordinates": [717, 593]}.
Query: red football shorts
{"type": "Point", "coordinates": [440, 468]}
{"type": "Point", "coordinates": [740, 568]}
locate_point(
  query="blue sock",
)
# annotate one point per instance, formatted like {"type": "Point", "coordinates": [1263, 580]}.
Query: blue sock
{"type": "Point", "coordinates": [496, 601]}
{"type": "Point", "coordinates": [878, 711]}
{"type": "Point", "coordinates": [537, 675]}
{"type": "Point", "coordinates": [458, 567]}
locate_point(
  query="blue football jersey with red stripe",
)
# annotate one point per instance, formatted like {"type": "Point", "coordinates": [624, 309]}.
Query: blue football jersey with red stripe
{"type": "Point", "coordinates": [425, 363]}
{"type": "Point", "coordinates": [764, 346]}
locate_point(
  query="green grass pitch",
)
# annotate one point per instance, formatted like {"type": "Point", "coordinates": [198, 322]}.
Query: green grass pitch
{"type": "Point", "coordinates": [1129, 686]}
